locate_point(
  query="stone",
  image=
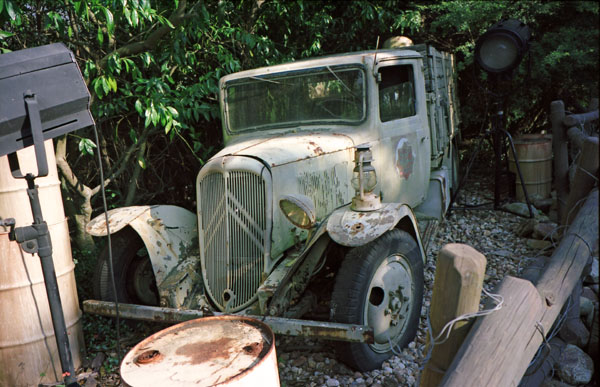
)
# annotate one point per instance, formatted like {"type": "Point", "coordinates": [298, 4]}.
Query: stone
{"type": "Point", "coordinates": [545, 231]}
{"type": "Point", "coordinates": [525, 228]}
{"type": "Point", "coordinates": [538, 244]}
{"type": "Point", "coordinates": [592, 278]}
{"type": "Point", "coordinates": [575, 366]}
{"type": "Point", "coordinates": [389, 381]}
{"type": "Point", "coordinates": [574, 332]}
{"type": "Point", "coordinates": [332, 382]}
{"type": "Point", "coordinates": [521, 209]}
{"type": "Point", "coordinates": [554, 383]}
{"type": "Point", "coordinates": [503, 253]}
{"type": "Point", "coordinates": [589, 293]}
{"type": "Point", "coordinates": [299, 361]}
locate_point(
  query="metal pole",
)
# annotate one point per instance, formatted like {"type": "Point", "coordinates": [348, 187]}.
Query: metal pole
{"type": "Point", "coordinates": [38, 232]}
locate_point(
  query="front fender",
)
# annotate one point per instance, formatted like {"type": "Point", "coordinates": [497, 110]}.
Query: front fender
{"type": "Point", "coordinates": [169, 233]}
{"type": "Point", "coordinates": [355, 228]}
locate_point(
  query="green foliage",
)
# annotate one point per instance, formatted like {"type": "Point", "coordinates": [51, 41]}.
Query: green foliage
{"type": "Point", "coordinates": [562, 62]}
{"type": "Point", "coordinates": [163, 92]}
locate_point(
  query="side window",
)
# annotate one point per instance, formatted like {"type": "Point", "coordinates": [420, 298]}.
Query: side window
{"type": "Point", "coordinates": [396, 93]}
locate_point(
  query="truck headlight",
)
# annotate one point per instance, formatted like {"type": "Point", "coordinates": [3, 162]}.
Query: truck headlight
{"type": "Point", "coordinates": [299, 210]}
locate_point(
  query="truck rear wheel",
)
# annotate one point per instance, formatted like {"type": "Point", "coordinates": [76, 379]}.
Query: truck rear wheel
{"type": "Point", "coordinates": [379, 284]}
{"type": "Point", "coordinates": [134, 277]}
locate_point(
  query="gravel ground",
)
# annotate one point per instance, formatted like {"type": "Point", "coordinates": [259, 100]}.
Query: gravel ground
{"type": "Point", "coordinates": [312, 363]}
{"type": "Point", "coordinates": [304, 362]}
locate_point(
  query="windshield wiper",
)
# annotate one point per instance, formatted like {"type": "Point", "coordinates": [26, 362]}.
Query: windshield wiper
{"type": "Point", "coordinates": [265, 80]}
{"type": "Point", "coordinates": [342, 82]}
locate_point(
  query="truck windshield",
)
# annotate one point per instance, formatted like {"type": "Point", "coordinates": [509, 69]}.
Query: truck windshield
{"type": "Point", "coordinates": [325, 94]}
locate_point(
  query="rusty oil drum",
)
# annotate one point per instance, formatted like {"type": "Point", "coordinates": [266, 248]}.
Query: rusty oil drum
{"type": "Point", "coordinates": [28, 353]}
{"type": "Point", "coordinates": [211, 351]}
{"type": "Point", "coordinates": [534, 152]}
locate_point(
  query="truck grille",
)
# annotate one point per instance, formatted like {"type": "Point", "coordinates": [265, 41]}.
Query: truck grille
{"type": "Point", "coordinates": [232, 236]}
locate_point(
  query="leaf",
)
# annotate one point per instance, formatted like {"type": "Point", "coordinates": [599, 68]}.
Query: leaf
{"type": "Point", "coordinates": [98, 88]}
{"type": "Point", "coordinates": [138, 106]}
{"type": "Point", "coordinates": [173, 111]}
{"type": "Point", "coordinates": [86, 146]}
{"type": "Point", "coordinates": [10, 9]}
{"type": "Point", "coordinates": [1, 5]}
{"type": "Point", "coordinates": [110, 22]}
{"type": "Point", "coordinates": [100, 36]}
{"type": "Point", "coordinates": [142, 162]}
{"type": "Point", "coordinates": [5, 34]}
{"type": "Point", "coordinates": [105, 85]}
{"type": "Point", "coordinates": [134, 18]}
{"type": "Point", "coordinates": [168, 126]}
{"type": "Point", "coordinates": [127, 13]}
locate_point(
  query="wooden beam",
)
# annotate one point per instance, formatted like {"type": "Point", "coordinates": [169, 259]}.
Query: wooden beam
{"type": "Point", "coordinates": [580, 119]}
{"type": "Point", "coordinates": [586, 176]}
{"type": "Point", "coordinates": [459, 274]}
{"type": "Point", "coordinates": [560, 150]}
{"type": "Point", "coordinates": [500, 346]}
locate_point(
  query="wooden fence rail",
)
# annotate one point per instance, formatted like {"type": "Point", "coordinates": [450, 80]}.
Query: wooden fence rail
{"type": "Point", "coordinates": [500, 346]}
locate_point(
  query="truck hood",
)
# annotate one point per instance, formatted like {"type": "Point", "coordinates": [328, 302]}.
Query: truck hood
{"type": "Point", "coordinates": [289, 148]}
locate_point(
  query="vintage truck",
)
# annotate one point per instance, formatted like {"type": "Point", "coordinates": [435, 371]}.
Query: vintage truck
{"type": "Point", "coordinates": [313, 215]}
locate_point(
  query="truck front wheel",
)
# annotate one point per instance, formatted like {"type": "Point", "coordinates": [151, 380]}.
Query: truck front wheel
{"type": "Point", "coordinates": [134, 277]}
{"type": "Point", "coordinates": [379, 284]}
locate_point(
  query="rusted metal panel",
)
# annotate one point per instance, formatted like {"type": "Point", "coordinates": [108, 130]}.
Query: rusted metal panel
{"type": "Point", "coordinates": [224, 350]}
{"type": "Point", "coordinates": [279, 325]}
{"type": "Point", "coordinates": [171, 238]}
{"type": "Point", "coordinates": [354, 228]}
{"type": "Point", "coordinates": [117, 219]}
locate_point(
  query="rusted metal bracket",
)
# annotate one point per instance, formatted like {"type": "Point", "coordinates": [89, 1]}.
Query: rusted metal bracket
{"type": "Point", "coordinates": [280, 326]}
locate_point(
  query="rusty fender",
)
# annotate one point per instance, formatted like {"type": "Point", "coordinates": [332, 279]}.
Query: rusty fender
{"type": "Point", "coordinates": [281, 326]}
{"type": "Point", "coordinates": [357, 228]}
{"type": "Point", "coordinates": [170, 235]}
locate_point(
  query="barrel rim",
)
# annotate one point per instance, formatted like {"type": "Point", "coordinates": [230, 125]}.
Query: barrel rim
{"type": "Point", "coordinates": [261, 358]}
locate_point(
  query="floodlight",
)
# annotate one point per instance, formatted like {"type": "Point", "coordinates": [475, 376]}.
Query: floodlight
{"type": "Point", "coordinates": [501, 48]}
{"type": "Point", "coordinates": [42, 96]}
{"type": "Point", "coordinates": [40, 86]}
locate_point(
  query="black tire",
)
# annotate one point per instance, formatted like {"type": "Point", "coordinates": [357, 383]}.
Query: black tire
{"type": "Point", "coordinates": [134, 278]}
{"type": "Point", "coordinates": [362, 296]}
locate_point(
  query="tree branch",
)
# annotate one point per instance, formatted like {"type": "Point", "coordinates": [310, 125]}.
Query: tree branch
{"type": "Point", "coordinates": [176, 18]}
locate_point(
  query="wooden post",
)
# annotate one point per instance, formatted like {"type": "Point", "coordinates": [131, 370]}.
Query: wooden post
{"type": "Point", "coordinates": [459, 274]}
{"type": "Point", "coordinates": [585, 178]}
{"type": "Point", "coordinates": [561, 160]}
{"type": "Point", "coordinates": [500, 346]}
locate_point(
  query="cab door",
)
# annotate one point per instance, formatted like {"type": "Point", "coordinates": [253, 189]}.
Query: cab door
{"type": "Point", "coordinates": [402, 157]}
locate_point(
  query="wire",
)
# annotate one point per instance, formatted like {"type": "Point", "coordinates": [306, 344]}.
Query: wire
{"type": "Point", "coordinates": [110, 257]}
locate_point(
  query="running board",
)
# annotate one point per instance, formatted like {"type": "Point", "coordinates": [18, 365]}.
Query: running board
{"type": "Point", "coordinates": [279, 325]}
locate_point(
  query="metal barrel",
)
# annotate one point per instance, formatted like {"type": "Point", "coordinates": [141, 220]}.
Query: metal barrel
{"type": "Point", "coordinates": [28, 352]}
{"type": "Point", "coordinates": [211, 351]}
{"type": "Point", "coordinates": [534, 152]}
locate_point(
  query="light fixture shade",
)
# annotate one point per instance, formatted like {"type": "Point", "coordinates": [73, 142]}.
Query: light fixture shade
{"type": "Point", "coordinates": [50, 73]}
{"type": "Point", "coordinates": [501, 48]}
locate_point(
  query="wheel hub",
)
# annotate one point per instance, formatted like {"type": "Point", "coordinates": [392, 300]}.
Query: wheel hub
{"type": "Point", "coordinates": [389, 302]}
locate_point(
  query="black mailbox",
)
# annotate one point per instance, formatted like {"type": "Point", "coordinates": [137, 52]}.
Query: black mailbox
{"type": "Point", "coordinates": [50, 75]}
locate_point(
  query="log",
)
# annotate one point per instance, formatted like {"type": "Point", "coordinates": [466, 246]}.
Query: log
{"type": "Point", "coordinates": [500, 345]}
{"type": "Point", "coordinates": [561, 159]}
{"type": "Point", "coordinates": [459, 274]}
{"type": "Point", "coordinates": [494, 352]}
{"type": "Point", "coordinates": [580, 119]}
{"type": "Point", "coordinates": [586, 176]}
{"type": "Point", "coordinates": [576, 136]}
{"type": "Point", "coordinates": [569, 259]}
